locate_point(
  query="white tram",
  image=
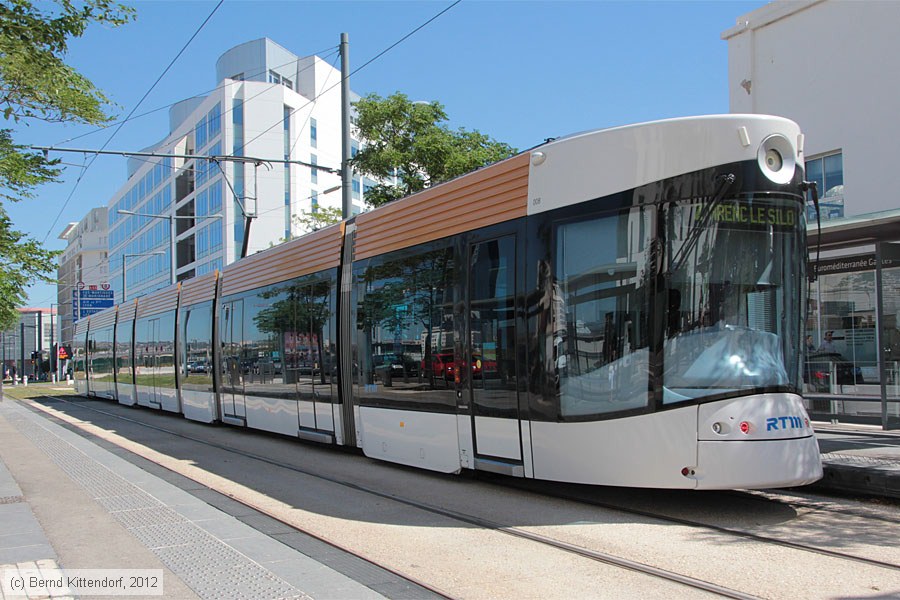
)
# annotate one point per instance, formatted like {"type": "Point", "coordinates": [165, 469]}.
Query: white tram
{"type": "Point", "coordinates": [620, 307]}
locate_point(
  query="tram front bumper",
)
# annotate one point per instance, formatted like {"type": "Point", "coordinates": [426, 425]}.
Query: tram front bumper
{"type": "Point", "coordinates": [757, 464]}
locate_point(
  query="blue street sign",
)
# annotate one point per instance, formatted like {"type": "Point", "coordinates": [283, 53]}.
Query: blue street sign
{"type": "Point", "coordinates": [89, 302]}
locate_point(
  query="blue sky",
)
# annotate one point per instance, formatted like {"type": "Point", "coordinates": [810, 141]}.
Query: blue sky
{"type": "Point", "coordinates": [517, 71]}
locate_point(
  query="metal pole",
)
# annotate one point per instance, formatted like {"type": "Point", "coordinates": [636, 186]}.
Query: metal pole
{"type": "Point", "coordinates": [879, 327]}
{"type": "Point", "coordinates": [52, 349]}
{"type": "Point", "coordinates": [22, 345]}
{"type": "Point", "coordinates": [39, 345]}
{"type": "Point", "coordinates": [172, 244]}
{"type": "Point", "coordinates": [346, 173]}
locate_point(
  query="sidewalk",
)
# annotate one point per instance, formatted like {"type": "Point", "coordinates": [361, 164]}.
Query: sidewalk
{"type": "Point", "coordinates": [67, 502]}
{"type": "Point", "coordinates": [859, 459]}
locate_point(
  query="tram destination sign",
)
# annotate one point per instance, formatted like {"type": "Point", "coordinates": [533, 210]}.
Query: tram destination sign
{"type": "Point", "coordinates": [86, 302]}
{"type": "Point", "coordinates": [743, 215]}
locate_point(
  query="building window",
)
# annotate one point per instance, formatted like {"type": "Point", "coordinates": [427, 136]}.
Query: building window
{"type": "Point", "coordinates": [828, 173]}
{"type": "Point", "coordinates": [214, 122]}
{"type": "Point", "coordinates": [313, 171]}
{"type": "Point", "coordinates": [287, 83]}
{"type": "Point", "coordinates": [274, 77]}
{"type": "Point", "coordinates": [237, 121]}
{"type": "Point", "coordinates": [201, 137]}
{"type": "Point", "coordinates": [286, 127]}
{"type": "Point", "coordinates": [313, 133]}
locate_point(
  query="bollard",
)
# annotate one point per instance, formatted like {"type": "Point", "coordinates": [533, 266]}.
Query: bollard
{"type": "Point", "coordinates": [25, 381]}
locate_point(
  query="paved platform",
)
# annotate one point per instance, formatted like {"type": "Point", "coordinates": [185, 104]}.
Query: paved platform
{"type": "Point", "coordinates": [859, 459]}
{"type": "Point", "coordinates": [68, 502]}
{"type": "Point", "coordinates": [72, 502]}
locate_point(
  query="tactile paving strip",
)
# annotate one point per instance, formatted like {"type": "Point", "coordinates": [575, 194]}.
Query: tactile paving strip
{"type": "Point", "coordinates": [207, 565]}
{"type": "Point", "coordinates": [856, 459]}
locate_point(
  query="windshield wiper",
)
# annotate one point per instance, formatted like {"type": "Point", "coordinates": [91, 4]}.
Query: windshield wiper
{"type": "Point", "coordinates": [699, 228]}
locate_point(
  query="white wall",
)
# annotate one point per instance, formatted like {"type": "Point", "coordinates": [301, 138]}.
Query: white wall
{"type": "Point", "coordinates": [833, 67]}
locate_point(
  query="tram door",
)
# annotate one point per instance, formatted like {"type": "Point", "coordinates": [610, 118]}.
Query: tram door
{"type": "Point", "coordinates": [231, 335]}
{"type": "Point", "coordinates": [491, 353]}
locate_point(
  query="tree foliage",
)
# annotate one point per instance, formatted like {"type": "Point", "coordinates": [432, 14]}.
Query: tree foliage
{"type": "Point", "coordinates": [409, 140]}
{"type": "Point", "coordinates": [36, 84]}
{"type": "Point", "coordinates": [321, 217]}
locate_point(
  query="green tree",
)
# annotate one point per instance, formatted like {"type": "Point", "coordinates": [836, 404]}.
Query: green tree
{"type": "Point", "coordinates": [410, 141]}
{"type": "Point", "coordinates": [36, 84]}
{"type": "Point", "coordinates": [321, 217]}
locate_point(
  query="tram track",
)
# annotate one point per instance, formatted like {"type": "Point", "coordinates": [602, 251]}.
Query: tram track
{"type": "Point", "coordinates": [518, 532]}
{"type": "Point", "coordinates": [735, 532]}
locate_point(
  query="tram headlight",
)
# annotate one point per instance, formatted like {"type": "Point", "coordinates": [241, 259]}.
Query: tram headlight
{"type": "Point", "coordinates": [777, 158]}
{"type": "Point", "coordinates": [774, 160]}
{"type": "Point", "coordinates": [721, 428]}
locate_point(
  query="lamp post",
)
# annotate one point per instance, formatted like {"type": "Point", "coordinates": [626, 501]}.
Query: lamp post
{"type": "Point", "coordinates": [171, 218]}
{"type": "Point", "coordinates": [124, 256]}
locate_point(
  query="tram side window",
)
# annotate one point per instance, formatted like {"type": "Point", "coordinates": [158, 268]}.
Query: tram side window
{"type": "Point", "coordinates": [196, 355]}
{"type": "Point", "coordinates": [101, 362]}
{"type": "Point", "coordinates": [404, 347]}
{"type": "Point", "coordinates": [287, 341]}
{"type": "Point", "coordinates": [268, 315]}
{"type": "Point", "coordinates": [596, 340]}
{"type": "Point", "coordinates": [123, 352]}
{"type": "Point", "coordinates": [308, 341]}
{"type": "Point", "coordinates": [78, 358]}
{"type": "Point", "coordinates": [144, 349]}
{"type": "Point", "coordinates": [321, 310]}
{"type": "Point", "coordinates": [165, 351]}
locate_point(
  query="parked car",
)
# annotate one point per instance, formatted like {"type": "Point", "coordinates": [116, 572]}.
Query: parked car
{"type": "Point", "coordinates": [481, 366]}
{"type": "Point", "coordinates": [819, 367]}
{"type": "Point", "coordinates": [441, 365]}
{"type": "Point", "coordinates": [198, 367]}
{"type": "Point", "coordinates": [398, 365]}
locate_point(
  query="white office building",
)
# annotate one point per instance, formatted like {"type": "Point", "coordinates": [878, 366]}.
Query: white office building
{"type": "Point", "coordinates": [271, 106]}
{"type": "Point", "coordinates": [83, 264]}
{"type": "Point", "coordinates": [831, 66]}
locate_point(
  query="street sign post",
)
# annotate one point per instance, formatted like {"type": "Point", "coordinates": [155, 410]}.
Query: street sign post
{"type": "Point", "coordinates": [86, 302]}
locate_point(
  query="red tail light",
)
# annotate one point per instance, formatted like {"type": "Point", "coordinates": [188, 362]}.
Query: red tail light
{"type": "Point", "coordinates": [745, 427]}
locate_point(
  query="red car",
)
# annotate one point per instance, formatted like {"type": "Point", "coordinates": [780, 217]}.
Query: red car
{"type": "Point", "coordinates": [441, 364]}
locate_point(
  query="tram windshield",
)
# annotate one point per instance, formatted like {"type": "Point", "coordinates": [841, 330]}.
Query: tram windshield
{"type": "Point", "coordinates": [735, 285]}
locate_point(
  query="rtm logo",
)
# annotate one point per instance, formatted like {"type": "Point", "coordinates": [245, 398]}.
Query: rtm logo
{"type": "Point", "coordinates": [772, 424]}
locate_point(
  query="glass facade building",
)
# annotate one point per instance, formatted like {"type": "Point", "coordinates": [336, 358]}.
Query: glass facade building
{"type": "Point", "coordinates": [852, 365]}
{"type": "Point", "coordinates": [192, 210]}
